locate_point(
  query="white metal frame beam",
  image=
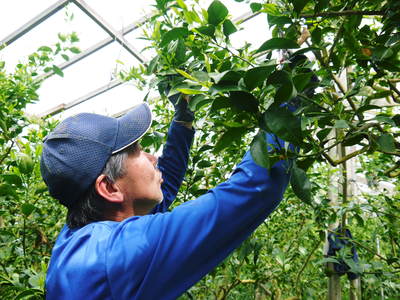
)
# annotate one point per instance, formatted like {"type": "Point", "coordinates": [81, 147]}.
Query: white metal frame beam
{"type": "Point", "coordinates": [97, 46]}
{"type": "Point", "coordinates": [108, 28]}
{"type": "Point", "coordinates": [61, 107]}
{"type": "Point", "coordinates": [114, 36]}
{"type": "Point", "coordinates": [34, 22]}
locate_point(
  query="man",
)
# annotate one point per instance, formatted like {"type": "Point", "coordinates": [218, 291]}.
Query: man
{"type": "Point", "coordinates": [120, 242]}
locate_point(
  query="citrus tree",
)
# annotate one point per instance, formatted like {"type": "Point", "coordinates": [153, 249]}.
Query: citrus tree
{"type": "Point", "coordinates": [29, 218]}
{"type": "Point", "coordinates": [324, 78]}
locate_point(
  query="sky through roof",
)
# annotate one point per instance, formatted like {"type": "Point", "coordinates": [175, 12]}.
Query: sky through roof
{"type": "Point", "coordinates": [95, 72]}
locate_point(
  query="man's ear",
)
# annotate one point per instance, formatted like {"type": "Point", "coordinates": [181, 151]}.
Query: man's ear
{"type": "Point", "coordinates": [108, 190]}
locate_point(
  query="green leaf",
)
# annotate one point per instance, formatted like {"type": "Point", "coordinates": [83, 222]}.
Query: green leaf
{"type": "Point", "coordinates": [190, 91]}
{"type": "Point", "coordinates": [25, 164]}
{"type": "Point", "coordinates": [385, 119]}
{"type": "Point", "coordinates": [228, 137]}
{"type": "Point", "coordinates": [228, 28]}
{"type": "Point", "coordinates": [279, 77]}
{"type": "Point", "coordinates": [220, 103]}
{"type": "Point", "coordinates": [278, 20]}
{"type": "Point", "coordinates": [286, 89]}
{"type": "Point", "coordinates": [222, 88]}
{"type": "Point", "coordinates": [386, 143]}
{"type": "Point", "coordinates": [198, 101]}
{"type": "Point", "coordinates": [256, 76]}
{"type": "Point", "coordinates": [174, 34]}
{"type": "Point", "coordinates": [27, 209]}
{"type": "Point", "coordinates": [57, 71]}
{"type": "Point", "coordinates": [65, 56]}
{"type": "Point", "coordinates": [341, 124]}
{"type": "Point", "coordinates": [200, 75]}
{"type": "Point", "coordinates": [227, 77]}
{"type": "Point", "coordinates": [305, 50]}
{"type": "Point", "coordinates": [152, 66]}
{"type": "Point", "coordinates": [284, 124]}
{"type": "Point", "coordinates": [300, 81]}
{"type": "Point", "coordinates": [396, 120]}
{"type": "Point", "coordinates": [299, 5]}
{"type": "Point", "coordinates": [285, 93]}
{"type": "Point", "coordinates": [186, 75]}
{"type": "Point", "coordinates": [74, 37]}
{"type": "Point", "coordinates": [316, 35]}
{"type": "Point", "coordinates": [393, 66]}
{"type": "Point", "coordinates": [204, 164]}
{"type": "Point", "coordinates": [323, 133]}
{"type": "Point", "coordinates": [244, 101]}
{"type": "Point", "coordinates": [217, 12]}
{"type": "Point", "coordinates": [354, 139]}
{"type": "Point", "coordinates": [12, 179]}
{"type": "Point", "coordinates": [271, 9]}
{"type": "Point", "coordinates": [41, 188]}
{"type": "Point", "coordinates": [75, 50]}
{"type": "Point", "coordinates": [207, 30]}
{"type": "Point", "coordinates": [180, 52]}
{"type": "Point", "coordinates": [8, 190]}
{"type": "Point", "coordinates": [300, 184]}
{"type": "Point", "coordinates": [255, 7]}
{"type": "Point", "coordinates": [379, 95]}
{"type": "Point", "coordinates": [321, 5]}
{"type": "Point", "coordinates": [259, 150]}
{"type": "Point", "coordinates": [278, 43]}
{"type": "Point", "coordinates": [45, 49]}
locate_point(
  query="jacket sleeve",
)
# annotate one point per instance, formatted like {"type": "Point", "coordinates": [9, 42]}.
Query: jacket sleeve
{"type": "Point", "coordinates": [173, 163]}
{"type": "Point", "coordinates": [183, 245]}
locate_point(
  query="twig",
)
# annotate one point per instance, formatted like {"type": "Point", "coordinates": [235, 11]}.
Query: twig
{"type": "Point", "coordinates": [390, 153]}
{"type": "Point", "coordinates": [392, 86]}
{"type": "Point", "coordinates": [307, 261]}
{"type": "Point", "coordinates": [235, 55]}
{"type": "Point", "coordinates": [390, 170]}
{"type": "Point", "coordinates": [345, 13]}
{"type": "Point", "coordinates": [7, 152]}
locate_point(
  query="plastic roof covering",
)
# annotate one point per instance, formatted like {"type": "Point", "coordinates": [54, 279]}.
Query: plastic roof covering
{"type": "Point", "coordinates": [98, 69]}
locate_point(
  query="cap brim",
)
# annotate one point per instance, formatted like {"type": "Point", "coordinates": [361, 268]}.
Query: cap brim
{"type": "Point", "coordinates": [132, 126]}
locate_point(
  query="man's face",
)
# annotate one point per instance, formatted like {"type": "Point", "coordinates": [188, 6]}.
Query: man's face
{"type": "Point", "coordinates": [141, 184]}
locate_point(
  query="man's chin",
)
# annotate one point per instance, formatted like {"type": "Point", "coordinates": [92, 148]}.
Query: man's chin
{"type": "Point", "coordinates": [146, 205]}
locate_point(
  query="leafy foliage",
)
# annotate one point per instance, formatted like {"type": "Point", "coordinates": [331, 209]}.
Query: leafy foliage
{"type": "Point", "coordinates": [29, 218]}
{"type": "Point", "coordinates": [325, 80]}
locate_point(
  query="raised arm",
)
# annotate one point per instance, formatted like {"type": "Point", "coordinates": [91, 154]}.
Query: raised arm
{"type": "Point", "coordinates": [173, 162]}
{"type": "Point", "coordinates": [183, 245]}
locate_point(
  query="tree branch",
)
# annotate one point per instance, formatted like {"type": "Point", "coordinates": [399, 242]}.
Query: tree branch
{"type": "Point", "coordinates": [306, 262]}
{"type": "Point", "coordinates": [331, 14]}
{"type": "Point", "coordinates": [7, 152]}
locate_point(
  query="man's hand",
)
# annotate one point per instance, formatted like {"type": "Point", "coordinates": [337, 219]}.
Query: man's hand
{"type": "Point", "coordinates": [182, 112]}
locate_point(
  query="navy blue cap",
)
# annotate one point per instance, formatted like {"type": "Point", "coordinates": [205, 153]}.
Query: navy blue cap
{"type": "Point", "coordinates": [76, 152]}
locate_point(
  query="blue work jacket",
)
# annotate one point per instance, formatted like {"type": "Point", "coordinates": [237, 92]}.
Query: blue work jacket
{"type": "Point", "coordinates": [161, 255]}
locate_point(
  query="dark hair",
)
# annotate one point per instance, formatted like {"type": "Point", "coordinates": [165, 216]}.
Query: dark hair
{"type": "Point", "coordinates": [92, 207]}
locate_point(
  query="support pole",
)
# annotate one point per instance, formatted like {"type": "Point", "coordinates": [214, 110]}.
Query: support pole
{"type": "Point", "coordinates": [334, 287]}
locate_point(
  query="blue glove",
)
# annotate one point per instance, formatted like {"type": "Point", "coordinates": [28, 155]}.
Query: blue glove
{"type": "Point", "coordinates": [182, 111]}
